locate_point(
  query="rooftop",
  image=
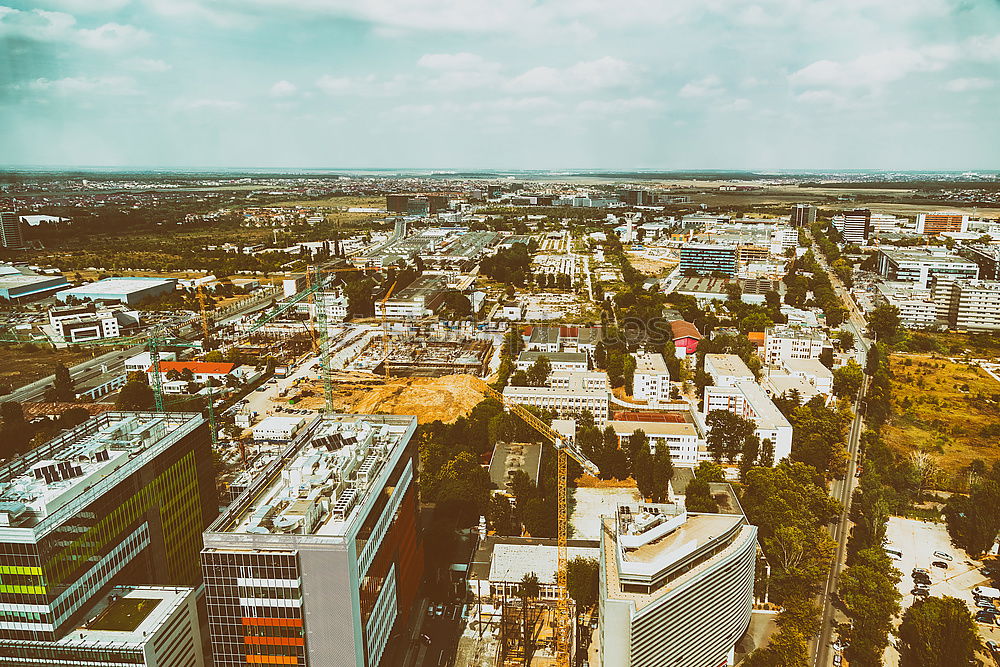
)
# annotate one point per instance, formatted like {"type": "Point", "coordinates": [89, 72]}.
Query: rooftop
{"type": "Point", "coordinates": [510, 457]}
{"type": "Point", "coordinates": [808, 367]}
{"type": "Point", "coordinates": [646, 362]}
{"type": "Point", "coordinates": [510, 562]}
{"type": "Point", "coordinates": [197, 367]}
{"type": "Point", "coordinates": [48, 484]}
{"type": "Point", "coordinates": [684, 329]}
{"type": "Point", "coordinates": [568, 357]}
{"type": "Point", "coordinates": [130, 615]}
{"type": "Point", "coordinates": [322, 479]}
{"type": "Point", "coordinates": [120, 285]}
{"type": "Point", "coordinates": [729, 365]}
{"type": "Point", "coordinates": [654, 428]}
{"type": "Point", "coordinates": [925, 254]}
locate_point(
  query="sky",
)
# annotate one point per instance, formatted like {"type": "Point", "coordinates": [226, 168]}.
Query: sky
{"type": "Point", "coordinates": [501, 84]}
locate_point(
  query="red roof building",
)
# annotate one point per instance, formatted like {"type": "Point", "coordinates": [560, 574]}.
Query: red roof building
{"type": "Point", "coordinates": [201, 369]}
{"type": "Point", "coordinates": [686, 335]}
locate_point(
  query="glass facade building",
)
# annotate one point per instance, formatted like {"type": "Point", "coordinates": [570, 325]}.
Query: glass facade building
{"type": "Point", "coordinates": [321, 557]}
{"type": "Point", "coordinates": [120, 499]}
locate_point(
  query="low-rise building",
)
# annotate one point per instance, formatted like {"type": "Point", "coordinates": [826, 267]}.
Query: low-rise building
{"type": "Point", "coordinates": [500, 563]}
{"type": "Point", "coordinates": [201, 371]}
{"type": "Point", "coordinates": [130, 291]}
{"type": "Point", "coordinates": [749, 400]}
{"type": "Point", "coordinates": [686, 337]}
{"type": "Point", "coordinates": [727, 370]}
{"type": "Point", "coordinates": [681, 437]}
{"type": "Point", "coordinates": [559, 361]}
{"type": "Point", "coordinates": [141, 362]}
{"type": "Point", "coordinates": [566, 401]}
{"type": "Point", "coordinates": [278, 428]}
{"type": "Point", "coordinates": [651, 380]}
{"type": "Point", "coordinates": [87, 322]}
{"type": "Point", "coordinates": [675, 588]}
{"type": "Point", "coordinates": [917, 308]}
{"type": "Point", "coordinates": [813, 371]}
{"type": "Point", "coordinates": [793, 342]}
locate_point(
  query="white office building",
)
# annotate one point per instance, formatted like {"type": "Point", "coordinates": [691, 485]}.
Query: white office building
{"type": "Point", "coordinates": [727, 370]}
{"type": "Point", "coordinates": [277, 428]}
{"type": "Point", "coordinates": [651, 380]}
{"type": "Point", "coordinates": [974, 305]}
{"type": "Point", "coordinates": [687, 447]}
{"type": "Point", "coordinates": [917, 308]}
{"type": "Point", "coordinates": [558, 361]}
{"type": "Point", "coordinates": [675, 588]}
{"type": "Point", "coordinates": [87, 322]}
{"type": "Point", "coordinates": [921, 265]}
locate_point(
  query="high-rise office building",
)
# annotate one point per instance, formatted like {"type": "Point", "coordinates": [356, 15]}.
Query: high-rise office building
{"type": "Point", "coordinates": [854, 226]}
{"type": "Point", "coordinates": [11, 234]}
{"type": "Point", "coordinates": [676, 588]}
{"type": "Point", "coordinates": [803, 215]}
{"type": "Point", "coordinates": [120, 499]}
{"type": "Point", "coordinates": [397, 203]}
{"type": "Point", "coordinates": [939, 223]}
{"type": "Point", "coordinates": [708, 258]}
{"type": "Point", "coordinates": [320, 559]}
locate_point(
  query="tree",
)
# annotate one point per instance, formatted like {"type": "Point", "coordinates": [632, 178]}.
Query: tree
{"type": "Point", "coordinates": [500, 516]}
{"type": "Point", "coordinates": [868, 590]}
{"type": "Point", "coordinates": [845, 340]}
{"type": "Point", "coordinates": [937, 632]}
{"type": "Point", "coordinates": [463, 489]}
{"type": "Point", "coordinates": [698, 497]}
{"type": "Point", "coordinates": [974, 520]}
{"type": "Point", "coordinates": [883, 322]}
{"type": "Point", "coordinates": [847, 380]}
{"type": "Point", "coordinates": [730, 435]}
{"type": "Point", "coordinates": [787, 648]}
{"type": "Point", "coordinates": [581, 581]}
{"type": "Point", "coordinates": [538, 373]}
{"type": "Point", "coordinates": [64, 390]}
{"type": "Point", "coordinates": [755, 322]}
{"type": "Point", "coordinates": [528, 591]}
{"type": "Point", "coordinates": [519, 379]}
{"type": "Point", "coordinates": [15, 432]}
{"type": "Point", "coordinates": [136, 394]}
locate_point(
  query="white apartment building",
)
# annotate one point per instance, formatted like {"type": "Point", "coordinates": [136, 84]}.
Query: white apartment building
{"type": "Point", "coordinates": [813, 371]}
{"type": "Point", "coordinates": [792, 342]}
{"type": "Point", "coordinates": [854, 226]}
{"type": "Point", "coordinates": [675, 588]}
{"type": "Point", "coordinates": [727, 370]}
{"type": "Point", "coordinates": [87, 322]}
{"type": "Point", "coordinates": [917, 308]}
{"type": "Point", "coordinates": [749, 400]}
{"type": "Point", "coordinates": [974, 305]}
{"type": "Point", "coordinates": [584, 379]}
{"type": "Point", "coordinates": [335, 304]}
{"type": "Point", "coordinates": [567, 401]}
{"type": "Point", "coordinates": [651, 380]}
{"type": "Point", "coordinates": [559, 361]}
{"type": "Point", "coordinates": [686, 447]}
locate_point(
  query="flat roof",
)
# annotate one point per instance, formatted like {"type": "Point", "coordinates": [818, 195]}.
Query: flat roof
{"type": "Point", "coordinates": [650, 362]}
{"type": "Point", "coordinates": [653, 428]}
{"type": "Point", "coordinates": [768, 414]}
{"type": "Point", "coordinates": [120, 285]}
{"type": "Point", "coordinates": [509, 457]}
{"type": "Point", "coordinates": [131, 614]}
{"type": "Point", "coordinates": [510, 562]}
{"type": "Point", "coordinates": [553, 356]}
{"type": "Point", "coordinates": [808, 366]}
{"type": "Point", "coordinates": [322, 479]}
{"type": "Point", "coordinates": [730, 365]}
{"type": "Point", "coordinates": [44, 486]}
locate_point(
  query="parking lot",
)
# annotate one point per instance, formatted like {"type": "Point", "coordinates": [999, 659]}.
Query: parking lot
{"type": "Point", "coordinates": [917, 541]}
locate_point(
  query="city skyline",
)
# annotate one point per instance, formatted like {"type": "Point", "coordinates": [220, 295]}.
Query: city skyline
{"type": "Point", "coordinates": [321, 84]}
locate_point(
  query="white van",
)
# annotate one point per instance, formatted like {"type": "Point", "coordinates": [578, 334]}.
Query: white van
{"type": "Point", "coordinates": [986, 592]}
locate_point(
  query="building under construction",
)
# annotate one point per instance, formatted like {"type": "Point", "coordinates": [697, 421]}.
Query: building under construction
{"type": "Point", "coordinates": [438, 355]}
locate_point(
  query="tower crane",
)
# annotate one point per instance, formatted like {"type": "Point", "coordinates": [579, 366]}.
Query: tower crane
{"type": "Point", "coordinates": [385, 330]}
{"type": "Point", "coordinates": [565, 449]}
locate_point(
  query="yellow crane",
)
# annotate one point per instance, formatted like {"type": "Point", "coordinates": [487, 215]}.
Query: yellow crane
{"type": "Point", "coordinates": [385, 331]}
{"type": "Point", "coordinates": [564, 450]}
{"type": "Point", "coordinates": [205, 327]}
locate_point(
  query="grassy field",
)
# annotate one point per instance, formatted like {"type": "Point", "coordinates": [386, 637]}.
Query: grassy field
{"type": "Point", "coordinates": [19, 366]}
{"type": "Point", "coordinates": [336, 202]}
{"type": "Point", "coordinates": [943, 408]}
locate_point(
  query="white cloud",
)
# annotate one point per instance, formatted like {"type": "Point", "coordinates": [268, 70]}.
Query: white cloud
{"type": "Point", "coordinates": [455, 61]}
{"type": "Point", "coordinates": [585, 76]}
{"type": "Point", "coordinates": [44, 26]}
{"type": "Point", "coordinates": [459, 71]}
{"type": "Point", "coordinates": [629, 105]}
{"type": "Point", "coordinates": [148, 65]}
{"type": "Point", "coordinates": [113, 37]}
{"type": "Point", "coordinates": [88, 6]}
{"type": "Point", "coordinates": [707, 87]}
{"type": "Point", "coordinates": [70, 86]}
{"type": "Point", "coordinates": [283, 89]}
{"type": "Point", "coordinates": [873, 70]}
{"type": "Point", "coordinates": [360, 86]}
{"type": "Point", "coordinates": [964, 85]}
{"type": "Point", "coordinates": [207, 105]}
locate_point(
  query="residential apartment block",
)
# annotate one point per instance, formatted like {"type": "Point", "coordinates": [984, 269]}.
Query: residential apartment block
{"type": "Point", "coordinates": [854, 226]}
{"type": "Point", "coordinates": [708, 258]}
{"type": "Point", "coordinates": [319, 561]}
{"type": "Point", "coordinates": [785, 341]}
{"type": "Point", "coordinates": [651, 380]}
{"type": "Point", "coordinates": [750, 401]}
{"type": "Point", "coordinates": [567, 401]}
{"type": "Point", "coordinates": [939, 223]}
{"type": "Point", "coordinates": [974, 305]}
{"type": "Point", "coordinates": [727, 370]}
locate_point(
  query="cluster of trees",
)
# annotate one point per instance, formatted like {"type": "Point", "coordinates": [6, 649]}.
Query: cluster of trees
{"type": "Point", "coordinates": [613, 356]}
{"type": "Point", "coordinates": [15, 431]}
{"type": "Point", "coordinates": [937, 632]}
{"type": "Point", "coordinates": [554, 281]}
{"type": "Point", "coordinates": [651, 470]}
{"type": "Point", "coordinates": [509, 265]}
{"type": "Point", "coordinates": [732, 437]}
{"type": "Point", "coordinates": [884, 323]}
{"type": "Point", "coordinates": [827, 239]}
{"type": "Point", "coordinates": [698, 493]}
{"type": "Point", "coordinates": [536, 375]}
{"type": "Point", "coordinates": [806, 276]}
{"type": "Point", "coordinates": [512, 346]}
{"type": "Point", "coordinates": [818, 436]}
{"type": "Point", "coordinates": [974, 520]}
{"type": "Point", "coordinates": [847, 379]}
{"type": "Point", "coordinates": [136, 394]}
{"type": "Point", "coordinates": [790, 506]}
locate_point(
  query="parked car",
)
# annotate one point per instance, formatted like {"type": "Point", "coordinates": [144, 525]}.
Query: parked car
{"type": "Point", "coordinates": [439, 610]}
{"type": "Point", "coordinates": [944, 555]}
{"type": "Point", "coordinates": [941, 564]}
{"type": "Point", "coordinates": [993, 647]}
{"type": "Point", "coordinates": [923, 570]}
{"type": "Point", "coordinates": [920, 592]}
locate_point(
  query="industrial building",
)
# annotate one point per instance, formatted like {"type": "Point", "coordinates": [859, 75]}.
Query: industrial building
{"type": "Point", "coordinates": [320, 560]}
{"type": "Point", "coordinates": [120, 499]}
{"type": "Point", "coordinates": [148, 626]}
{"type": "Point", "coordinates": [21, 284]}
{"type": "Point", "coordinates": [676, 588]}
{"type": "Point", "coordinates": [130, 291]}
{"type": "Point", "coordinates": [422, 297]}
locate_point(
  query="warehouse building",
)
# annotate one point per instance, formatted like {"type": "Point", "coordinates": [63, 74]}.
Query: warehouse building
{"type": "Point", "coordinates": [130, 291]}
{"type": "Point", "coordinates": [21, 284]}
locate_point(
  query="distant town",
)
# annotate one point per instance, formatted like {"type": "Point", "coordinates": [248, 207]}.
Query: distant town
{"type": "Point", "coordinates": [497, 418]}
